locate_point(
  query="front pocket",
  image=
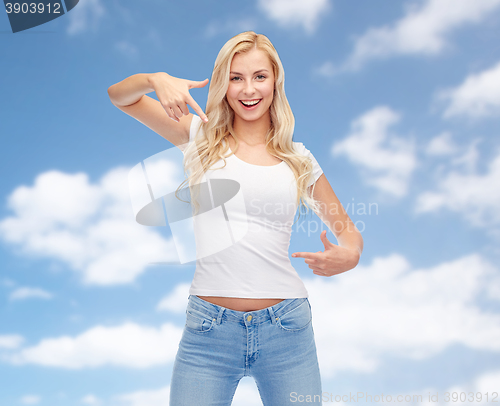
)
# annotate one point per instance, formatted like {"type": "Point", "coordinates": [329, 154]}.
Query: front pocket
{"type": "Point", "coordinates": [296, 319]}
{"type": "Point", "coordinates": [198, 321]}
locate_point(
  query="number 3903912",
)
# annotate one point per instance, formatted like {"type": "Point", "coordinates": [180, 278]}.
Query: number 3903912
{"type": "Point", "coordinates": [32, 8]}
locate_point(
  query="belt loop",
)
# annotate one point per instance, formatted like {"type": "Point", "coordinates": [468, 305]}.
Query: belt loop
{"type": "Point", "coordinates": [219, 317]}
{"type": "Point", "coordinates": [271, 313]}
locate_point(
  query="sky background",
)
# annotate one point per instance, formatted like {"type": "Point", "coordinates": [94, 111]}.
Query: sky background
{"type": "Point", "coordinates": [398, 101]}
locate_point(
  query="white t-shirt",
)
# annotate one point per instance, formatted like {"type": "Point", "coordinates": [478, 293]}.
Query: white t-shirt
{"type": "Point", "coordinates": [258, 265]}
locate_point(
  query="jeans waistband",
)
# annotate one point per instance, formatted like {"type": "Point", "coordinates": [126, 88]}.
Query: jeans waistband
{"type": "Point", "coordinates": [258, 316]}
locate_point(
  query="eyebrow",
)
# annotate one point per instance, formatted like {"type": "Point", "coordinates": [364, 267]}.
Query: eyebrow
{"type": "Point", "coordinates": [261, 70]}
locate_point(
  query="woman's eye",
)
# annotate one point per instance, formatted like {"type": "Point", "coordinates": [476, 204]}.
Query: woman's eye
{"type": "Point", "coordinates": [258, 76]}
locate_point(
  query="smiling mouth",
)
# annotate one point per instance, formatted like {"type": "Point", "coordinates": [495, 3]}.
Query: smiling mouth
{"type": "Point", "coordinates": [250, 105]}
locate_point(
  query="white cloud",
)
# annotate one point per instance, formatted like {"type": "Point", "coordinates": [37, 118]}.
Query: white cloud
{"type": "Point", "coordinates": [30, 400]}
{"type": "Point", "coordinates": [388, 308]}
{"type": "Point", "coordinates": [469, 157]}
{"type": "Point", "coordinates": [231, 25]}
{"type": "Point", "coordinates": [129, 345]}
{"type": "Point", "coordinates": [90, 400]}
{"type": "Point", "coordinates": [422, 31]}
{"type": "Point", "coordinates": [386, 160]}
{"type": "Point", "coordinates": [8, 283]}
{"type": "Point", "coordinates": [155, 397]}
{"type": "Point", "coordinates": [459, 394]}
{"type": "Point", "coordinates": [126, 48]}
{"type": "Point", "coordinates": [176, 302]}
{"type": "Point", "coordinates": [487, 382]}
{"type": "Point", "coordinates": [11, 341]}
{"type": "Point", "coordinates": [246, 395]}
{"type": "Point", "coordinates": [477, 97]}
{"type": "Point", "coordinates": [85, 16]}
{"type": "Point", "coordinates": [327, 69]}
{"type": "Point", "coordinates": [475, 196]}
{"type": "Point", "coordinates": [441, 145]}
{"type": "Point", "coordinates": [459, 156]}
{"type": "Point", "coordinates": [29, 293]}
{"type": "Point", "coordinates": [90, 227]}
{"type": "Point", "coordinates": [154, 37]}
{"type": "Point", "coordinates": [295, 13]}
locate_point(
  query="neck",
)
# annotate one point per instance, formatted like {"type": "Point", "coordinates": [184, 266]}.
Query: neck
{"type": "Point", "coordinates": [252, 132]}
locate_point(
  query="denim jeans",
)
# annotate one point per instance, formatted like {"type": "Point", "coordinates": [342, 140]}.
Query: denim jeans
{"type": "Point", "coordinates": [219, 346]}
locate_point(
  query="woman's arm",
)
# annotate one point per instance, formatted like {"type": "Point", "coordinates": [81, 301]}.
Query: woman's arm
{"type": "Point", "coordinates": [168, 117]}
{"type": "Point", "coordinates": [130, 90]}
{"type": "Point", "coordinates": [336, 258]}
{"type": "Point", "coordinates": [332, 213]}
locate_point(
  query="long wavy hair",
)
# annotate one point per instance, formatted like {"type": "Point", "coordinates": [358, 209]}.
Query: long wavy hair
{"type": "Point", "coordinates": [207, 147]}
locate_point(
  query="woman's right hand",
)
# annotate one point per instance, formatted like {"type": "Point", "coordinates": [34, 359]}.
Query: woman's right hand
{"type": "Point", "coordinates": [173, 94]}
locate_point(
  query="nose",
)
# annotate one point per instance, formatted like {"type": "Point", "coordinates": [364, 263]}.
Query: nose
{"type": "Point", "coordinates": [249, 88]}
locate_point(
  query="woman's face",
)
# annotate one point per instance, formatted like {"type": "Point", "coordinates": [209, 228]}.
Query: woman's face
{"type": "Point", "coordinates": [251, 80]}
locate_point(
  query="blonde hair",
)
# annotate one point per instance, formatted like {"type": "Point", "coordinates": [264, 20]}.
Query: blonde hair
{"type": "Point", "coordinates": [208, 148]}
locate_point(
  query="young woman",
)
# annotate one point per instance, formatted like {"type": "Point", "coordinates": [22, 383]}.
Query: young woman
{"type": "Point", "coordinates": [248, 311]}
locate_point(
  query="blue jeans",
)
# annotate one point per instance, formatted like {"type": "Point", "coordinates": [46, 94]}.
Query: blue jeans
{"type": "Point", "coordinates": [219, 346]}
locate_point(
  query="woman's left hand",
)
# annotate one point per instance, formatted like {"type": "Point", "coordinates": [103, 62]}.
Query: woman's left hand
{"type": "Point", "coordinates": [334, 260]}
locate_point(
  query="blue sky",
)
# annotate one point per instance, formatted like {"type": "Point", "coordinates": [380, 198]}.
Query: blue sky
{"type": "Point", "coordinates": [398, 101]}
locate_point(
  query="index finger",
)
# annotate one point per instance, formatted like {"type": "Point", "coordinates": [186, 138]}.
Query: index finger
{"type": "Point", "coordinates": [306, 255]}
{"type": "Point", "coordinates": [197, 108]}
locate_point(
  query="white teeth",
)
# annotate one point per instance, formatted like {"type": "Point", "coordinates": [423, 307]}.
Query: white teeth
{"type": "Point", "coordinates": [252, 103]}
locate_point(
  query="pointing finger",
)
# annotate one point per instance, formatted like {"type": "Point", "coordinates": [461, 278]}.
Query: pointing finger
{"type": "Point", "coordinates": [308, 255]}
{"type": "Point", "coordinates": [195, 83]}
{"type": "Point", "coordinates": [197, 109]}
